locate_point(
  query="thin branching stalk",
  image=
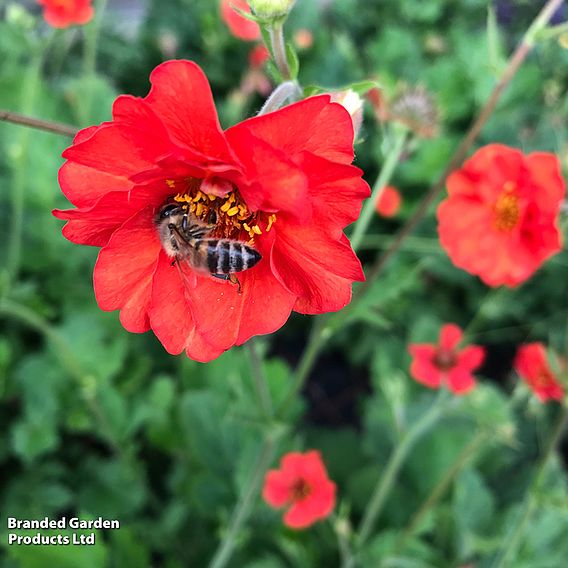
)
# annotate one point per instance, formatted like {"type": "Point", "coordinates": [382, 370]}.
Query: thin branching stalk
{"type": "Point", "coordinates": [245, 505]}
{"type": "Point", "coordinates": [260, 380]}
{"type": "Point", "coordinates": [395, 463]}
{"type": "Point", "coordinates": [391, 161]}
{"type": "Point", "coordinates": [38, 124]}
{"type": "Point", "coordinates": [440, 489]}
{"type": "Point", "coordinates": [513, 539]}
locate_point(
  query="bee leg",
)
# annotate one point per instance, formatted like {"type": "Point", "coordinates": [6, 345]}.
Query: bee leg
{"type": "Point", "coordinates": [234, 280]}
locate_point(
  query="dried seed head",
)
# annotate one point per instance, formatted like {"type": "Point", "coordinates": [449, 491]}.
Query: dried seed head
{"type": "Point", "coordinates": [416, 109]}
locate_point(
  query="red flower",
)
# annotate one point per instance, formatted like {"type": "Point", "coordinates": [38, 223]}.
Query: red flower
{"type": "Point", "coordinates": [283, 182]}
{"type": "Point", "coordinates": [240, 27]}
{"type": "Point", "coordinates": [65, 13]}
{"type": "Point", "coordinates": [258, 56]}
{"type": "Point", "coordinates": [532, 365]}
{"type": "Point", "coordinates": [434, 365]}
{"type": "Point", "coordinates": [388, 204]}
{"type": "Point", "coordinates": [301, 484]}
{"type": "Point", "coordinates": [500, 219]}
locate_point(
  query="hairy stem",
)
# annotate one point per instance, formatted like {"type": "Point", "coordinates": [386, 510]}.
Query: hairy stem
{"type": "Point", "coordinates": [38, 124]}
{"type": "Point", "coordinates": [286, 92]}
{"type": "Point", "coordinates": [278, 46]}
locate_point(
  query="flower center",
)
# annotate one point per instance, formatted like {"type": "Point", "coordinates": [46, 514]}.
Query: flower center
{"type": "Point", "coordinates": [507, 210]}
{"type": "Point", "coordinates": [229, 214]}
{"type": "Point", "coordinates": [444, 359]}
{"type": "Point", "coordinates": [543, 379]}
{"type": "Point", "coordinates": [300, 490]}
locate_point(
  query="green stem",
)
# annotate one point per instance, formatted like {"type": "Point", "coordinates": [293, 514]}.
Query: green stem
{"type": "Point", "coordinates": [244, 505]}
{"type": "Point", "coordinates": [391, 161]}
{"type": "Point", "coordinates": [21, 170]}
{"type": "Point", "coordinates": [92, 32]}
{"type": "Point", "coordinates": [278, 50]}
{"type": "Point", "coordinates": [513, 538]}
{"type": "Point", "coordinates": [442, 486]}
{"type": "Point", "coordinates": [307, 361]}
{"type": "Point", "coordinates": [260, 380]}
{"type": "Point", "coordinates": [552, 32]}
{"type": "Point", "coordinates": [397, 459]}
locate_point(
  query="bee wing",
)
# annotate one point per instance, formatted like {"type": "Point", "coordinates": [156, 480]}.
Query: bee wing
{"type": "Point", "coordinates": [187, 274]}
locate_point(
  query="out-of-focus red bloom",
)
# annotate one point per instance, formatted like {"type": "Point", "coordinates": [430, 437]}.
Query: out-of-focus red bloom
{"type": "Point", "coordinates": [532, 365]}
{"type": "Point", "coordinates": [303, 38]}
{"type": "Point", "coordinates": [500, 218]}
{"type": "Point", "coordinates": [282, 182]}
{"type": "Point", "coordinates": [240, 27]}
{"type": "Point", "coordinates": [443, 364]}
{"type": "Point", "coordinates": [258, 56]}
{"type": "Point", "coordinates": [65, 13]}
{"type": "Point", "coordinates": [388, 204]}
{"type": "Point", "coordinates": [302, 485]}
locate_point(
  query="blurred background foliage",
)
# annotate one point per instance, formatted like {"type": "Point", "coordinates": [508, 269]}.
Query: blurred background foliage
{"type": "Point", "coordinates": [98, 422]}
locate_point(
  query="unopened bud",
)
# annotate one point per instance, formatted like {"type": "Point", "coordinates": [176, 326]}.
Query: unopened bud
{"type": "Point", "coordinates": [271, 9]}
{"type": "Point", "coordinates": [353, 103]}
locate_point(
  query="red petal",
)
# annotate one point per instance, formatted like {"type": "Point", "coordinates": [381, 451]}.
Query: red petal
{"type": "Point", "coordinates": [450, 336]}
{"type": "Point", "coordinates": [460, 381]}
{"type": "Point", "coordinates": [471, 357]}
{"type": "Point", "coordinates": [182, 98]}
{"type": "Point", "coordinates": [277, 183]}
{"type": "Point", "coordinates": [225, 318]}
{"type": "Point", "coordinates": [124, 271]}
{"type": "Point", "coordinates": [276, 491]}
{"type": "Point", "coordinates": [315, 267]}
{"type": "Point", "coordinates": [422, 368]}
{"type": "Point", "coordinates": [312, 125]}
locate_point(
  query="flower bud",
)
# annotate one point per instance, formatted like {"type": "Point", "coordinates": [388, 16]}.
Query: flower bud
{"type": "Point", "coordinates": [353, 103]}
{"type": "Point", "coordinates": [271, 9]}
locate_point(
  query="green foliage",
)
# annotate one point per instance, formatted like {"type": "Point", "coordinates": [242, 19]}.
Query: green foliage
{"type": "Point", "coordinates": [99, 422]}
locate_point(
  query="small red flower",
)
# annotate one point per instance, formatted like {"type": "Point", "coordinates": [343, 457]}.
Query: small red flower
{"type": "Point", "coordinates": [532, 365]}
{"type": "Point", "coordinates": [444, 364]}
{"type": "Point", "coordinates": [302, 485]}
{"type": "Point", "coordinates": [240, 27]}
{"type": "Point", "coordinates": [258, 56]}
{"type": "Point", "coordinates": [388, 204]}
{"type": "Point", "coordinates": [500, 218]}
{"type": "Point", "coordinates": [282, 182]}
{"type": "Point", "coordinates": [65, 13]}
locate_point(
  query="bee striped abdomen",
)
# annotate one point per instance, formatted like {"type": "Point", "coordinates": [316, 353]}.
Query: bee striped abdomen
{"type": "Point", "coordinates": [225, 256]}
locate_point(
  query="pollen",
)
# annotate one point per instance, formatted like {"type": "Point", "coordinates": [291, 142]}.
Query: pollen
{"type": "Point", "coordinates": [507, 211]}
{"type": "Point", "coordinates": [233, 219]}
{"type": "Point", "coordinates": [170, 183]}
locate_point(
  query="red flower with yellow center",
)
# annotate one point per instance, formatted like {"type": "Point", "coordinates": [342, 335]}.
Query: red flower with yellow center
{"type": "Point", "coordinates": [65, 13]}
{"type": "Point", "coordinates": [162, 174]}
{"type": "Point", "coordinates": [443, 364]}
{"type": "Point", "coordinates": [531, 363]}
{"type": "Point", "coordinates": [500, 218]}
{"type": "Point", "coordinates": [301, 484]}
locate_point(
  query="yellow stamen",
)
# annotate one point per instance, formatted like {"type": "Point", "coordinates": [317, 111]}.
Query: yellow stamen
{"type": "Point", "coordinates": [232, 211]}
{"type": "Point", "coordinates": [225, 207]}
{"type": "Point", "coordinates": [170, 183]}
{"type": "Point", "coordinates": [256, 229]}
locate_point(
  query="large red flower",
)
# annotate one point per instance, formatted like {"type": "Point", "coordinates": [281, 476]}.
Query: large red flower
{"type": "Point", "coordinates": [65, 13]}
{"type": "Point", "coordinates": [240, 27]}
{"type": "Point", "coordinates": [282, 182]}
{"type": "Point", "coordinates": [500, 218]}
{"type": "Point", "coordinates": [443, 364]}
{"type": "Point", "coordinates": [301, 484]}
{"type": "Point", "coordinates": [532, 365]}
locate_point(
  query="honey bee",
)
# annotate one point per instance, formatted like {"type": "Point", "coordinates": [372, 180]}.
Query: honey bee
{"type": "Point", "coordinates": [185, 238]}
